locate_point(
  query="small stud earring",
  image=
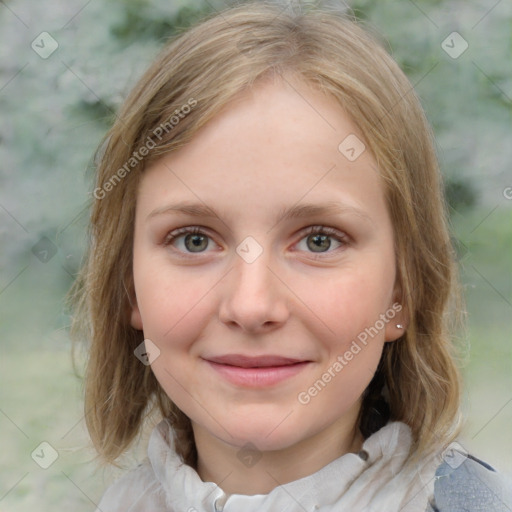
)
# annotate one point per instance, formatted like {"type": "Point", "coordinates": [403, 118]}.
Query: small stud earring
{"type": "Point", "coordinates": [399, 326]}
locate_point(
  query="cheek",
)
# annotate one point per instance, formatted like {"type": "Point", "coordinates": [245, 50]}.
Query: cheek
{"type": "Point", "coordinates": [172, 304]}
{"type": "Point", "coordinates": [350, 308]}
{"type": "Point", "coordinates": [174, 309]}
{"type": "Point", "coordinates": [350, 303]}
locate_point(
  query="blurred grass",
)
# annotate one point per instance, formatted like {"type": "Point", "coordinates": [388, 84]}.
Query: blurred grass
{"type": "Point", "coordinates": [41, 401]}
{"type": "Point", "coordinates": [486, 272]}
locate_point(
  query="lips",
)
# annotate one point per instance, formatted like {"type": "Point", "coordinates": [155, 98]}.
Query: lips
{"type": "Point", "coordinates": [264, 371]}
{"type": "Point", "coordinates": [254, 362]}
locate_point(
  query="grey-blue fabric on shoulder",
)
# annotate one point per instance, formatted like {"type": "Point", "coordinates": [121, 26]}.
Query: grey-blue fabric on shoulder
{"type": "Point", "coordinates": [472, 486]}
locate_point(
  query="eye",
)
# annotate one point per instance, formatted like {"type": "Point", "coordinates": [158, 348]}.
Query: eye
{"type": "Point", "coordinates": [318, 239]}
{"type": "Point", "coordinates": [193, 239]}
{"type": "Point", "coordinates": [315, 239]}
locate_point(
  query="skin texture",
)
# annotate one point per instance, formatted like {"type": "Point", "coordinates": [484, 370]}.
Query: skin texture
{"type": "Point", "coordinates": [273, 148]}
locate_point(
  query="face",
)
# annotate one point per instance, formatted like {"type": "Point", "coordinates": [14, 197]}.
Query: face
{"type": "Point", "coordinates": [264, 270]}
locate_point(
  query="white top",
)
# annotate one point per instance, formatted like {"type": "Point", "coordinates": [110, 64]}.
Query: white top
{"type": "Point", "coordinates": [372, 481]}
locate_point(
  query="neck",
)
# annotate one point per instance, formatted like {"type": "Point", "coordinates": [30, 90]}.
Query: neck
{"type": "Point", "coordinates": [223, 464]}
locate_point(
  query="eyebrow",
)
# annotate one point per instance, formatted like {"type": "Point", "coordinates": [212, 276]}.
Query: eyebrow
{"type": "Point", "coordinates": [298, 211]}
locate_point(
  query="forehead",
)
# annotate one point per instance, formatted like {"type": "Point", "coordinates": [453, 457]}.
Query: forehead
{"type": "Point", "coordinates": [278, 144]}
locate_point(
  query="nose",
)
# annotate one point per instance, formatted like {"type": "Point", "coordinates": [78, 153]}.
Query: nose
{"type": "Point", "coordinates": [254, 298]}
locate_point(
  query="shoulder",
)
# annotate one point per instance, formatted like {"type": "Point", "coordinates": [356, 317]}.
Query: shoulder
{"type": "Point", "coordinates": [134, 492]}
{"type": "Point", "coordinates": [463, 482]}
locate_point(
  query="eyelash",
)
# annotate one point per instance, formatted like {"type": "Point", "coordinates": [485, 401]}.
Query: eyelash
{"type": "Point", "coordinates": [341, 237]}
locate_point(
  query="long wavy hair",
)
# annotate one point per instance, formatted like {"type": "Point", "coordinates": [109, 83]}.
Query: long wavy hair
{"type": "Point", "coordinates": [208, 65]}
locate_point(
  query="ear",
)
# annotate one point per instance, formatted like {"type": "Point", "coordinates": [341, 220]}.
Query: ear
{"type": "Point", "coordinates": [397, 314]}
{"type": "Point", "coordinates": [136, 319]}
{"type": "Point", "coordinates": [135, 316]}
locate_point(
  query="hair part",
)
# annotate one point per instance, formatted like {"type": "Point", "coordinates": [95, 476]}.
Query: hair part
{"type": "Point", "coordinates": [211, 64]}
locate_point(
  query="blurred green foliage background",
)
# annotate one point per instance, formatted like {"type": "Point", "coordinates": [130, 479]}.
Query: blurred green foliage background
{"type": "Point", "coordinates": [55, 110]}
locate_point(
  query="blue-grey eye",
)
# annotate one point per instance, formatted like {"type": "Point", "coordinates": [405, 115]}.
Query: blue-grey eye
{"type": "Point", "coordinates": [196, 242]}
{"type": "Point", "coordinates": [319, 243]}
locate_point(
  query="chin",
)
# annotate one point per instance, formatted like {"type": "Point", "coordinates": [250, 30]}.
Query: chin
{"type": "Point", "coordinates": [264, 435]}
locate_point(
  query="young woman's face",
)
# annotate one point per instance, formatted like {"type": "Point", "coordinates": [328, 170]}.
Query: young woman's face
{"type": "Point", "coordinates": [269, 330]}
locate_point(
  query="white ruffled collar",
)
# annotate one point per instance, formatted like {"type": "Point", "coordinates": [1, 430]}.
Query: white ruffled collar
{"type": "Point", "coordinates": [373, 480]}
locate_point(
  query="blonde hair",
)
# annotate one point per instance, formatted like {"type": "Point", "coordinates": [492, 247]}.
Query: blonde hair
{"type": "Point", "coordinates": [207, 66]}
